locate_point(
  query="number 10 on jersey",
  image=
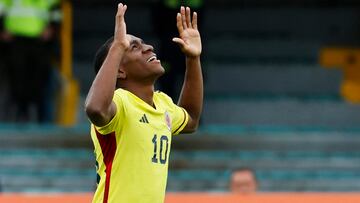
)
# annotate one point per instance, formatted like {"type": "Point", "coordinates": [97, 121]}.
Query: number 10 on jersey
{"type": "Point", "coordinates": [164, 146]}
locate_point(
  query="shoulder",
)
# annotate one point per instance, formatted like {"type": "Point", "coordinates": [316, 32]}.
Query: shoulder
{"type": "Point", "coordinates": [120, 96]}
{"type": "Point", "coordinates": [115, 123]}
{"type": "Point", "coordinates": [120, 99]}
{"type": "Point", "coordinates": [119, 92]}
{"type": "Point", "coordinates": [164, 97]}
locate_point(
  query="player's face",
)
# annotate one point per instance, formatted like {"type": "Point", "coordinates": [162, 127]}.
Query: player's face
{"type": "Point", "coordinates": [140, 61]}
{"type": "Point", "coordinates": [243, 182]}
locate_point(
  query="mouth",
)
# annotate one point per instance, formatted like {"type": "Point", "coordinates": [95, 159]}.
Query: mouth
{"type": "Point", "coordinates": [152, 58]}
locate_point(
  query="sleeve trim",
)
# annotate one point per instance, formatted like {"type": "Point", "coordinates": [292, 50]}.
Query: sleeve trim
{"type": "Point", "coordinates": [181, 127]}
{"type": "Point", "coordinates": [102, 128]}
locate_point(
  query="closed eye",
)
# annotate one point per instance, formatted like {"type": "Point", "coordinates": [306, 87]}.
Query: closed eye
{"type": "Point", "coordinates": [134, 46]}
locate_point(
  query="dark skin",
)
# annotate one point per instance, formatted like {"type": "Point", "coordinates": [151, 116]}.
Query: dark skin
{"type": "Point", "coordinates": [130, 65]}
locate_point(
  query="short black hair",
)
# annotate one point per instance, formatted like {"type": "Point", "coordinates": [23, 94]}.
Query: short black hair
{"type": "Point", "coordinates": [101, 54]}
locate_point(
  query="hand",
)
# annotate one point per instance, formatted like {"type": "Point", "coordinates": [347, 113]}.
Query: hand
{"type": "Point", "coordinates": [120, 37]}
{"type": "Point", "coordinates": [189, 40]}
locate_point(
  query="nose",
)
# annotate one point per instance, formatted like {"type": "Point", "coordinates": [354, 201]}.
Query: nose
{"type": "Point", "coordinates": [147, 48]}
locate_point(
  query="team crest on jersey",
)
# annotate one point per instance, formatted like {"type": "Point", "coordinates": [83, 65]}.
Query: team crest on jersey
{"type": "Point", "coordinates": [168, 120]}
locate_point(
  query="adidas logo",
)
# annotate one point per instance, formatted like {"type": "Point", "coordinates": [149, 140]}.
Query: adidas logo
{"type": "Point", "coordinates": [144, 119]}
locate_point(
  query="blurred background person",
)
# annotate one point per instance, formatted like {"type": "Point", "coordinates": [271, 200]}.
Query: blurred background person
{"type": "Point", "coordinates": [243, 181]}
{"type": "Point", "coordinates": [3, 63]}
{"type": "Point", "coordinates": [171, 57]}
{"type": "Point", "coordinates": [29, 28]}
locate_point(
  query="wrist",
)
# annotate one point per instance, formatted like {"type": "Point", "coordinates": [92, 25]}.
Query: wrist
{"type": "Point", "coordinates": [116, 51]}
{"type": "Point", "coordinates": [117, 48]}
{"type": "Point", "coordinates": [193, 58]}
{"type": "Point", "coordinates": [117, 45]}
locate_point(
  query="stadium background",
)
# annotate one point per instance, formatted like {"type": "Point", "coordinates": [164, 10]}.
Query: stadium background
{"type": "Point", "coordinates": [281, 97]}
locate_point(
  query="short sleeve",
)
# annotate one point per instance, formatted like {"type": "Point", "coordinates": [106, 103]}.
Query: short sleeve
{"type": "Point", "coordinates": [117, 121]}
{"type": "Point", "coordinates": [178, 115]}
{"type": "Point", "coordinates": [180, 119]}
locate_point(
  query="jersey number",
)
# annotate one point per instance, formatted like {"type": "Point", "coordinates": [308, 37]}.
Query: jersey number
{"type": "Point", "coordinates": [163, 157]}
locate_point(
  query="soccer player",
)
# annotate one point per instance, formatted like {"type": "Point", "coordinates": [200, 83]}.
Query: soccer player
{"type": "Point", "coordinates": [132, 125]}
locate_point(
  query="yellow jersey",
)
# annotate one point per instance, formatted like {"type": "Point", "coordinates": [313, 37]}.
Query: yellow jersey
{"type": "Point", "coordinates": [132, 150]}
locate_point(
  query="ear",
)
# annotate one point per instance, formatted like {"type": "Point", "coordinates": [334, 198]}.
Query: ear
{"type": "Point", "coordinates": [121, 73]}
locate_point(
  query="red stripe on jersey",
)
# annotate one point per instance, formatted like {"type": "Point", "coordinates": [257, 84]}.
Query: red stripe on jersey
{"type": "Point", "coordinates": [108, 148]}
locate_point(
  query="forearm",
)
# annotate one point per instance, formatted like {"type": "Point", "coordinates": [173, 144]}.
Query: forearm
{"type": "Point", "coordinates": [102, 90]}
{"type": "Point", "coordinates": [191, 97]}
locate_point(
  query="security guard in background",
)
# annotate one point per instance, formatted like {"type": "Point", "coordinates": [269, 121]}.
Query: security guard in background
{"type": "Point", "coordinates": [30, 27]}
{"type": "Point", "coordinates": [164, 17]}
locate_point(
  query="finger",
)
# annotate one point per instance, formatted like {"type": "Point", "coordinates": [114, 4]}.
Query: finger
{"type": "Point", "coordinates": [183, 18]}
{"type": "Point", "coordinates": [121, 10]}
{"type": "Point", "coordinates": [124, 9]}
{"type": "Point", "coordinates": [188, 17]}
{"type": "Point", "coordinates": [118, 13]}
{"type": "Point", "coordinates": [179, 41]}
{"type": "Point", "coordinates": [179, 24]}
{"type": "Point", "coordinates": [194, 21]}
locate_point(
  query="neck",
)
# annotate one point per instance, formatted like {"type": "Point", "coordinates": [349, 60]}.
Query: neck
{"type": "Point", "coordinates": [145, 93]}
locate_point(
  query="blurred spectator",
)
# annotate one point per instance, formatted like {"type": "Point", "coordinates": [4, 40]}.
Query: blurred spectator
{"type": "Point", "coordinates": [29, 28]}
{"type": "Point", "coordinates": [243, 181]}
{"type": "Point", "coordinates": [164, 18]}
{"type": "Point", "coordinates": [3, 65]}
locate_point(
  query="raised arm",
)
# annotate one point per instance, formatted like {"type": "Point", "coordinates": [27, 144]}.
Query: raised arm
{"type": "Point", "coordinates": [99, 106]}
{"type": "Point", "coordinates": [191, 97]}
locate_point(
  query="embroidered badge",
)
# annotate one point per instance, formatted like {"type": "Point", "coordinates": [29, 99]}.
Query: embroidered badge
{"type": "Point", "coordinates": [168, 120]}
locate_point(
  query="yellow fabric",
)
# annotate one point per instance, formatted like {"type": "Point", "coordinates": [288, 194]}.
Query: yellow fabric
{"type": "Point", "coordinates": [138, 173]}
{"type": "Point", "coordinates": [28, 18]}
